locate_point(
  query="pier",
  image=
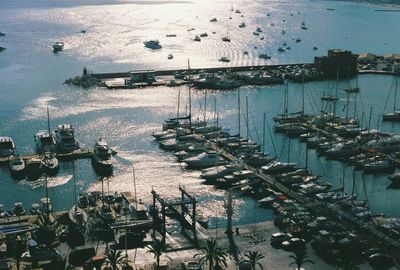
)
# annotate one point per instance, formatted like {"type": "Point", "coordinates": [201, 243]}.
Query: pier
{"type": "Point", "coordinates": [76, 154]}
{"type": "Point", "coordinates": [320, 208]}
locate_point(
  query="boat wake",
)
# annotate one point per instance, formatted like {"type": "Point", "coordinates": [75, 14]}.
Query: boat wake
{"type": "Point", "coordinates": [56, 181]}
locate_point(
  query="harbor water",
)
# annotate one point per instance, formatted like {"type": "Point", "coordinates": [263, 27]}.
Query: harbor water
{"type": "Point", "coordinates": [32, 76]}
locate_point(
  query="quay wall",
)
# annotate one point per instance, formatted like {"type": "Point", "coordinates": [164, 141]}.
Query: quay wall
{"type": "Point", "coordinates": [167, 72]}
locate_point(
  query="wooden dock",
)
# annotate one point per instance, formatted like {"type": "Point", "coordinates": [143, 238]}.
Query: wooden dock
{"type": "Point", "coordinates": [76, 154]}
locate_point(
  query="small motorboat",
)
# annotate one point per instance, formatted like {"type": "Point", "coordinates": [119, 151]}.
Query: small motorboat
{"type": "Point", "coordinates": [18, 209]}
{"type": "Point", "coordinates": [50, 164]}
{"type": "Point", "coordinates": [213, 20]}
{"type": "Point", "coordinates": [7, 147]}
{"type": "Point", "coordinates": [17, 167]}
{"type": "Point", "coordinates": [197, 38]}
{"type": "Point", "coordinates": [224, 59]}
{"type": "Point", "coordinates": [152, 44]}
{"type": "Point", "coordinates": [226, 39]}
{"type": "Point", "coordinates": [204, 34]}
{"type": "Point", "coordinates": [242, 25]}
{"type": "Point", "coordinates": [170, 56]}
{"type": "Point", "coordinates": [58, 46]}
{"type": "Point", "coordinates": [101, 159]}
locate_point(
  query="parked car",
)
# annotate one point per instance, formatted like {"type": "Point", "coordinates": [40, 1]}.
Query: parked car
{"type": "Point", "coordinates": [191, 265]}
{"type": "Point", "coordinates": [278, 238]}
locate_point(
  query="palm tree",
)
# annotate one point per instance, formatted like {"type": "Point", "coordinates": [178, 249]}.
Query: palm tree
{"type": "Point", "coordinates": [300, 257]}
{"type": "Point", "coordinates": [157, 248]}
{"type": "Point", "coordinates": [254, 258]}
{"type": "Point", "coordinates": [115, 259]}
{"type": "Point", "coordinates": [212, 254]}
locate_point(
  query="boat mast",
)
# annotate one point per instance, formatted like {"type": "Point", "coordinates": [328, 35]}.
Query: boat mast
{"type": "Point", "coordinates": [395, 95]}
{"type": "Point", "coordinates": [263, 139]}
{"type": "Point", "coordinates": [190, 97]}
{"type": "Point", "coordinates": [369, 120]}
{"type": "Point", "coordinates": [215, 114]}
{"type": "Point", "coordinates": [355, 106]}
{"type": "Point", "coordinates": [239, 109]}
{"type": "Point", "coordinates": [302, 101]}
{"type": "Point", "coordinates": [205, 107]}
{"type": "Point", "coordinates": [336, 92]}
{"type": "Point", "coordinates": [247, 120]}
{"type": "Point", "coordinates": [48, 119]}
{"type": "Point", "coordinates": [73, 176]}
{"type": "Point", "coordinates": [134, 185]}
{"type": "Point", "coordinates": [179, 103]}
{"type": "Point", "coordinates": [47, 198]}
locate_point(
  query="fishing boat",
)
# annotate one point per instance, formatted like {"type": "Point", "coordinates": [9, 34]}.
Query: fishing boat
{"type": "Point", "coordinates": [152, 44]}
{"type": "Point", "coordinates": [44, 142]}
{"type": "Point", "coordinates": [64, 136]}
{"type": "Point", "coordinates": [7, 147]}
{"type": "Point", "coordinates": [58, 46]}
{"type": "Point", "coordinates": [17, 167]}
{"type": "Point", "coordinates": [50, 163]}
{"type": "Point", "coordinates": [281, 49]}
{"type": "Point", "coordinates": [101, 158]}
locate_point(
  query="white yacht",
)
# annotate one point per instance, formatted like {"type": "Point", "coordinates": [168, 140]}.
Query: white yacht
{"type": "Point", "coordinates": [101, 159]}
{"type": "Point", "coordinates": [7, 146]}
{"type": "Point", "coordinates": [152, 44]}
{"type": "Point", "coordinates": [45, 142]}
{"type": "Point", "coordinates": [204, 160]}
{"type": "Point", "coordinates": [64, 136]}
